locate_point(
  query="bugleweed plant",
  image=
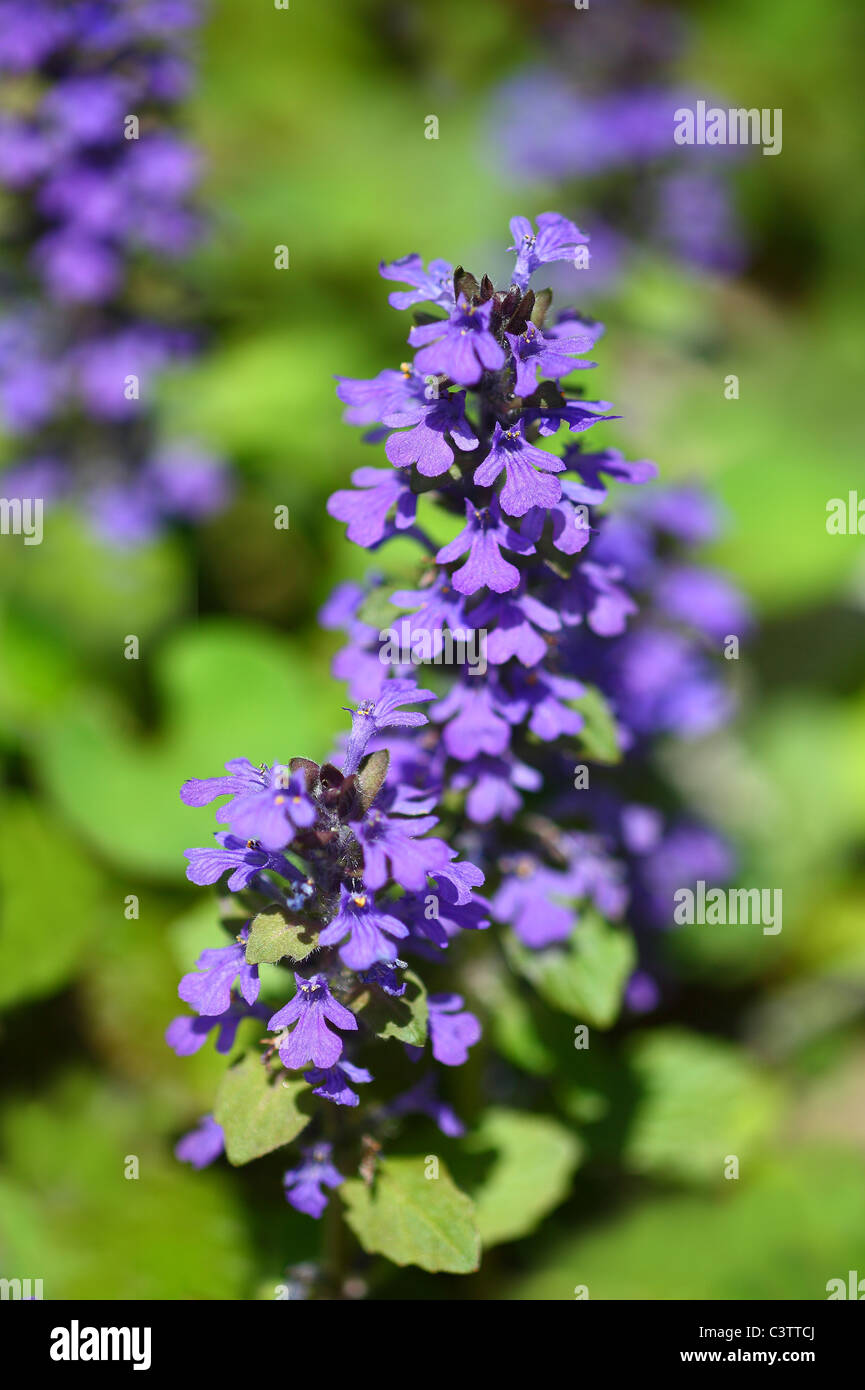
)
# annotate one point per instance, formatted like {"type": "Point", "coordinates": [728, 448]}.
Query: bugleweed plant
{"type": "Point", "coordinates": [474, 862]}
{"type": "Point", "coordinates": [98, 186]}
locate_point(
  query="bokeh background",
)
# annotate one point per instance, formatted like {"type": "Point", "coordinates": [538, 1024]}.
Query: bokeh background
{"type": "Point", "coordinates": [313, 121]}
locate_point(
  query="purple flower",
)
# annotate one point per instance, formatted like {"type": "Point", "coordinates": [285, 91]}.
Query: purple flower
{"type": "Point", "coordinates": [267, 805]}
{"type": "Point", "coordinates": [311, 1009]}
{"type": "Point", "coordinates": [383, 712]}
{"type": "Point", "coordinates": [210, 991]}
{"type": "Point", "coordinates": [391, 847]}
{"type": "Point", "coordinates": [201, 1146]}
{"type": "Point", "coordinates": [453, 1030]}
{"type": "Point", "coordinates": [431, 286]}
{"type": "Point", "coordinates": [550, 354]}
{"type": "Point", "coordinates": [426, 443]}
{"type": "Point", "coordinates": [491, 785]}
{"type": "Point", "coordinates": [524, 487]}
{"type": "Point", "coordinates": [461, 346]}
{"type": "Point", "coordinates": [187, 1034]}
{"type": "Point", "coordinates": [423, 1099]}
{"type": "Point", "coordinates": [556, 239]}
{"type": "Point", "coordinates": [333, 1083]}
{"type": "Point", "coordinates": [243, 857]}
{"type": "Point", "coordinates": [303, 1184]}
{"type": "Point", "coordinates": [517, 620]}
{"type": "Point", "coordinates": [475, 720]}
{"type": "Point", "coordinates": [370, 400]}
{"type": "Point", "coordinates": [536, 902]}
{"type": "Point", "coordinates": [369, 930]}
{"type": "Point", "coordinates": [384, 974]}
{"type": "Point", "coordinates": [484, 536]}
{"type": "Point", "coordinates": [367, 511]}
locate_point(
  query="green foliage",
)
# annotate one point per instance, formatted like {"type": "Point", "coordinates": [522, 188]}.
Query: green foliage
{"type": "Point", "coordinates": [599, 736]}
{"type": "Point", "coordinates": [780, 1232]}
{"type": "Point", "coordinates": [584, 977]}
{"type": "Point", "coordinates": [225, 693]}
{"type": "Point", "coordinates": [274, 935]}
{"type": "Point", "coordinates": [404, 1019]}
{"type": "Point", "coordinates": [43, 940]}
{"type": "Point", "coordinates": [536, 1158]}
{"type": "Point", "coordinates": [413, 1219]}
{"type": "Point", "coordinates": [699, 1101]}
{"type": "Point", "coordinates": [258, 1109]}
{"type": "Point", "coordinates": [70, 1214]}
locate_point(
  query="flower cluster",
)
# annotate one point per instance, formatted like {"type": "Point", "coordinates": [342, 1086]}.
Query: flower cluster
{"type": "Point", "coordinates": [601, 105]}
{"type": "Point", "coordinates": [341, 861]}
{"type": "Point", "coordinates": [98, 191]}
{"type": "Point", "coordinates": [577, 603]}
{"type": "Point", "coordinates": [595, 625]}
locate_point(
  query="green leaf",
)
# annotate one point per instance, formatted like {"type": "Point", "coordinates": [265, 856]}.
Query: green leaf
{"type": "Point", "coordinates": [258, 1110]}
{"type": "Point", "coordinates": [43, 938]}
{"type": "Point", "coordinates": [599, 736]}
{"type": "Point", "coordinates": [225, 691]}
{"type": "Point", "coordinates": [404, 1019]}
{"type": "Point", "coordinates": [189, 1231]}
{"type": "Point", "coordinates": [585, 976]}
{"type": "Point", "coordinates": [274, 934]}
{"type": "Point", "coordinates": [779, 1233]}
{"type": "Point", "coordinates": [537, 1158]}
{"type": "Point", "coordinates": [700, 1100]}
{"type": "Point", "coordinates": [413, 1219]}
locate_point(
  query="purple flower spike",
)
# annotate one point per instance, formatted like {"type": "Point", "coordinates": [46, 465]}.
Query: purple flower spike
{"type": "Point", "coordinates": [312, 1007]}
{"type": "Point", "coordinates": [303, 1184]}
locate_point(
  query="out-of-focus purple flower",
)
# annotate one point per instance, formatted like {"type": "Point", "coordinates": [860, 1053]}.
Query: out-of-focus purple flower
{"type": "Point", "coordinates": [203, 1145]}
{"type": "Point", "coordinates": [303, 1184]}
{"type": "Point", "coordinates": [453, 1030]}
{"type": "Point", "coordinates": [333, 1083]}
{"type": "Point", "coordinates": [423, 1099]}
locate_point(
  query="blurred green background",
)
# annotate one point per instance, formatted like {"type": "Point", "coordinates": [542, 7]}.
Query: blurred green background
{"type": "Point", "coordinates": [313, 119]}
